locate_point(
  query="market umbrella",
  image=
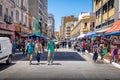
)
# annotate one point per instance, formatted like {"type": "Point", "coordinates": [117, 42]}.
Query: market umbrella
{"type": "Point", "coordinates": [90, 34]}
{"type": "Point", "coordinates": [112, 34]}
{"type": "Point", "coordinates": [81, 36]}
{"type": "Point", "coordinates": [36, 36]}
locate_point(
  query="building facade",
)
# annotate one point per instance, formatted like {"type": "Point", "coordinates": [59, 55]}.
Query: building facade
{"type": "Point", "coordinates": [40, 12]}
{"type": "Point", "coordinates": [68, 28]}
{"type": "Point", "coordinates": [51, 26]}
{"type": "Point", "coordinates": [107, 12]}
{"type": "Point", "coordinates": [85, 24]}
{"type": "Point", "coordinates": [14, 15]}
{"type": "Point", "coordinates": [64, 21]}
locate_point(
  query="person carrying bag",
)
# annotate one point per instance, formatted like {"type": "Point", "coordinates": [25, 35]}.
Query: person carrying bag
{"type": "Point", "coordinates": [38, 51]}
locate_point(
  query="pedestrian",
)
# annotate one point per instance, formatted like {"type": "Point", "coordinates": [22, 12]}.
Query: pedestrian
{"type": "Point", "coordinates": [13, 47]}
{"type": "Point", "coordinates": [83, 47]}
{"type": "Point", "coordinates": [101, 53]}
{"type": "Point", "coordinates": [95, 52]}
{"type": "Point", "coordinates": [38, 51]}
{"type": "Point", "coordinates": [30, 50]}
{"type": "Point", "coordinates": [51, 50]}
{"type": "Point", "coordinates": [113, 51]}
{"type": "Point", "coordinates": [80, 46]}
{"type": "Point", "coordinates": [23, 46]}
{"type": "Point", "coordinates": [69, 44]}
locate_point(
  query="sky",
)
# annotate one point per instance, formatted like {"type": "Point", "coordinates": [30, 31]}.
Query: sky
{"type": "Point", "coordinates": [61, 8]}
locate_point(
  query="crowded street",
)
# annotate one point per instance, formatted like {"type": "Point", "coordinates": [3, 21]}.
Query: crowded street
{"type": "Point", "coordinates": [68, 65]}
{"type": "Point", "coordinates": [59, 39]}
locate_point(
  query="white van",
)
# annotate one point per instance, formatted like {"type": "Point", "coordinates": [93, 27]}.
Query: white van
{"type": "Point", "coordinates": [5, 50]}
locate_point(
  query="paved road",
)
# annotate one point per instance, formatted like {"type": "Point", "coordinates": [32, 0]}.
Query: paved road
{"type": "Point", "coordinates": [68, 65]}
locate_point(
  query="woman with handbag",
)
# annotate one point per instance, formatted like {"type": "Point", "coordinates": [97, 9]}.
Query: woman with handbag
{"type": "Point", "coordinates": [38, 51]}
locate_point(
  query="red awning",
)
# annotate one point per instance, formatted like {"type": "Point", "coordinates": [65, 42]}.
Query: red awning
{"type": "Point", "coordinates": [114, 28]}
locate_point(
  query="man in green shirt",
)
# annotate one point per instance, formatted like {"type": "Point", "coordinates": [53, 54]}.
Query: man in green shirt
{"type": "Point", "coordinates": [51, 50]}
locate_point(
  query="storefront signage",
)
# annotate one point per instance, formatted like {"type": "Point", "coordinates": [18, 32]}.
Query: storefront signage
{"type": "Point", "coordinates": [7, 27]}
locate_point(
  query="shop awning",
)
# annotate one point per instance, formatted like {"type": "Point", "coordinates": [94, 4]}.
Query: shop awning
{"type": "Point", "coordinates": [114, 28]}
{"type": "Point", "coordinates": [22, 34]}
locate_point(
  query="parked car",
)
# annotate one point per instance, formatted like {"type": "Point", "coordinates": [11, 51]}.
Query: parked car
{"type": "Point", "coordinates": [5, 50]}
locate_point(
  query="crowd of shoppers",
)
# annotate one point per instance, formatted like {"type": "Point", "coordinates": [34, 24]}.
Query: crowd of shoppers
{"type": "Point", "coordinates": [108, 48]}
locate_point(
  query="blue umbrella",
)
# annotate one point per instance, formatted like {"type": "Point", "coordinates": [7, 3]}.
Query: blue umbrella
{"type": "Point", "coordinates": [36, 35]}
{"type": "Point", "coordinates": [90, 34]}
{"type": "Point", "coordinates": [112, 34]}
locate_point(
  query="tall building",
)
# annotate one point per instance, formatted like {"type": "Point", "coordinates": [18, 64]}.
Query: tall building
{"type": "Point", "coordinates": [68, 28]}
{"type": "Point", "coordinates": [107, 12]}
{"type": "Point", "coordinates": [64, 21]}
{"type": "Point", "coordinates": [40, 11]}
{"type": "Point", "coordinates": [51, 26]}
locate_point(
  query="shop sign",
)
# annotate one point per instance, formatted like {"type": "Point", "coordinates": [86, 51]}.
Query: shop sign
{"type": "Point", "coordinates": [7, 27]}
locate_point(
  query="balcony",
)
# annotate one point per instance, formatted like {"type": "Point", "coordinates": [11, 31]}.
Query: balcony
{"type": "Point", "coordinates": [12, 2]}
{"type": "Point", "coordinates": [8, 19]}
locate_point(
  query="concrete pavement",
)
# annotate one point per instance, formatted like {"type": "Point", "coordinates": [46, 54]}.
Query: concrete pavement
{"type": "Point", "coordinates": [68, 65]}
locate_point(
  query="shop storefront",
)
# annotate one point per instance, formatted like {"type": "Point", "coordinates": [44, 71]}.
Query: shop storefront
{"type": "Point", "coordinates": [7, 30]}
{"type": "Point", "coordinates": [17, 29]}
{"type": "Point", "coordinates": [23, 32]}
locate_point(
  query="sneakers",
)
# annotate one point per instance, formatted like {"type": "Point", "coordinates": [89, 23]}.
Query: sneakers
{"type": "Point", "coordinates": [48, 63]}
{"type": "Point", "coordinates": [38, 63]}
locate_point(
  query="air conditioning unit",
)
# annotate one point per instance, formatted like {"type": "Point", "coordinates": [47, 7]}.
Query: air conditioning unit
{"type": "Point", "coordinates": [6, 18]}
{"type": "Point", "coordinates": [10, 19]}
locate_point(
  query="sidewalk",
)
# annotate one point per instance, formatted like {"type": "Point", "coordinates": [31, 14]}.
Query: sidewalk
{"type": "Point", "coordinates": [105, 60]}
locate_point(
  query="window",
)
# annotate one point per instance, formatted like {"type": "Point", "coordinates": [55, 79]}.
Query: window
{"type": "Point", "coordinates": [104, 24]}
{"type": "Point", "coordinates": [0, 10]}
{"type": "Point", "coordinates": [105, 8]}
{"type": "Point", "coordinates": [17, 15]}
{"type": "Point", "coordinates": [110, 4]}
{"type": "Point", "coordinates": [12, 14]}
{"type": "Point", "coordinates": [85, 25]}
{"type": "Point", "coordinates": [111, 21]}
{"type": "Point", "coordinates": [6, 11]}
{"type": "Point", "coordinates": [99, 26]}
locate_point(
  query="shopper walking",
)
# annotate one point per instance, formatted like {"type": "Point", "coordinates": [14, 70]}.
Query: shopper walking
{"type": "Point", "coordinates": [95, 52]}
{"type": "Point", "coordinates": [38, 51]}
{"type": "Point", "coordinates": [51, 50]}
{"type": "Point", "coordinates": [101, 53]}
{"type": "Point", "coordinates": [23, 46]}
{"type": "Point", "coordinates": [83, 47]}
{"type": "Point", "coordinates": [13, 47]}
{"type": "Point", "coordinates": [30, 50]}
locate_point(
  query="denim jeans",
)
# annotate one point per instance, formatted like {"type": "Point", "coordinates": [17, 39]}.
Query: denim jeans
{"type": "Point", "coordinates": [80, 50]}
